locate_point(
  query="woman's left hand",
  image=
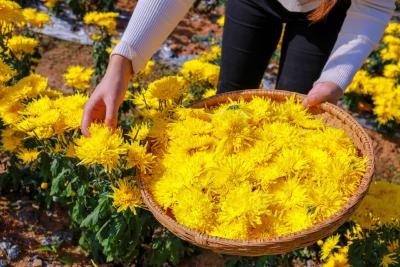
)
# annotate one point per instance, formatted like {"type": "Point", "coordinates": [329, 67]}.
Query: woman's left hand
{"type": "Point", "coordinates": [321, 92]}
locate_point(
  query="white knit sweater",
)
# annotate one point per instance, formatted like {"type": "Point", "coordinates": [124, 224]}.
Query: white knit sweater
{"type": "Point", "coordinates": [153, 20]}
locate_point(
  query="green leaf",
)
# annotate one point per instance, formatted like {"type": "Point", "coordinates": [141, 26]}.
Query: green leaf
{"type": "Point", "coordinates": [46, 249]}
{"type": "Point", "coordinates": [92, 219]}
{"type": "Point", "coordinates": [66, 260]}
{"type": "Point", "coordinates": [58, 182]}
{"type": "Point", "coordinates": [77, 212]}
{"type": "Point", "coordinates": [54, 166]}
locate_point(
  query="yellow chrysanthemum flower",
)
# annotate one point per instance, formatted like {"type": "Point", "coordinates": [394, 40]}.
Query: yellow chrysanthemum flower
{"type": "Point", "coordinates": [337, 260]}
{"type": "Point", "coordinates": [393, 28]}
{"type": "Point", "coordinates": [380, 205]}
{"type": "Point", "coordinates": [27, 155]}
{"type": "Point", "coordinates": [198, 70]}
{"type": "Point", "coordinates": [71, 109]}
{"type": "Point", "coordinates": [104, 20]}
{"type": "Point", "coordinates": [50, 3]}
{"type": "Point", "coordinates": [44, 117]}
{"type": "Point", "coordinates": [10, 111]}
{"type": "Point", "coordinates": [393, 246]}
{"type": "Point", "coordinates": [139, 158]}
{"type": "Point", "coordinates": [6, 29]}
{"type": "Point", "coordinates": [167, 88]}
{"type": "Point", "coordinates": [10, 12]}
{"type": "Point", "coordinates": [148, 69]}
{"type": "Point", "coordinates": [139, 132]}
{"type": "Point", "coordinates": [145, 101]}
{"type": "Point", "coordinates": [389, 260]}
{"type": "Point", "coordinates": [221, 21]}
{"type": "Point", "coordinates": [126, 195]}
{"type": "Point", "coordinates": [387, 105]}
{"type": "Point", "coordinates": [78, 77]}
{"type": "Point", "coordinates": [115, 41]}
{"type": "Point", "coordinates": [70, 151]}
{"type": "Point", "coordinates": [329, 245]}
{"type": "Point", "coordinates": [109, 50]}
{"type": "Point", "coordinates": [200, 207]}
{"type": "Point", "coordinates": [391, 40]}
{"type": "Point", "coordinates": [392, 52]}
{"type": "Point", "coordinates": [21, 44]}
{"type": "Point", "coordinates": [391, 71]}
{"type": "Point", "coordinates": [6, 72]}
{"type": "Point", "coordinates": [103, 147]}
{"type": "Point", "coordinates": [210, 93]}
{"type": "Point", "coordinates": [30, 86]}
{"type": "Point", "coordinates": [213, 55]}
{"type": "Point", "coordinates": [35, 18]}
{"type": "Point", "coordinates": [11, 140]}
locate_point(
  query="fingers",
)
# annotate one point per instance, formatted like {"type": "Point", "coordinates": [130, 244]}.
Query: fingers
{"type": "Point", "coordinates": [99, 112]}
{"type": "Point", "coordinates": [315, 99]}
{"type": "Point", "coordinates": [111, 117]}
{"type": "Point", "coordinates": [87, 118]}
{"type": "Point", "coordinates": [326, 92]}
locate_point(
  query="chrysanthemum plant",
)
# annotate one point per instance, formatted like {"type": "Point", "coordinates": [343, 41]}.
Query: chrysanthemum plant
{"type": "Point", "coordinates": [375, 90]}
{"type": "Point", "coordinates": [19, 48]}
{"type": "Point", "coordinates": [101, 27]}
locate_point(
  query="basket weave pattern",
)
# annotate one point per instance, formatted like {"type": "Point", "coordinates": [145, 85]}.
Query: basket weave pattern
{"type": "Point", "coordinates": [333, 116]}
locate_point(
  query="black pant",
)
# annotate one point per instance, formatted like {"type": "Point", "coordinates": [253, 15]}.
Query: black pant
{"type": "Point", "coordinates": [251, 34]}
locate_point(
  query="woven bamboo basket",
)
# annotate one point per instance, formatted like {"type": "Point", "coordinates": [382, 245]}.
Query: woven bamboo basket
{"type": "Point", "coordinates": [333, 116]}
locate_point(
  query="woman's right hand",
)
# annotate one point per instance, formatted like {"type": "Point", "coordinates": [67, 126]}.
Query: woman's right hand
{"type": "Point", "coordinates": [104, 103]}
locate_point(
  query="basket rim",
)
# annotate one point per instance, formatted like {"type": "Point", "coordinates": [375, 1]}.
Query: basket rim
{"type": "Point", "coordinates": [328, 223]}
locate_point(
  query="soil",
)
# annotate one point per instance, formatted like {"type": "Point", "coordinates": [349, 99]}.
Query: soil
{"type": "Point", "coordinates": [194, 25]}
{"type": "Point", "coordinates": [28, 226]}
{"type": "Point", "coordinates": [126, 5]}
{"type": "Point", "coordinates": [387, 156]}
{"type": "Point", "coordinates": [56, 57]}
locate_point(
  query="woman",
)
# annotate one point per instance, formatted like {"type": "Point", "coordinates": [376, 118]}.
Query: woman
{"type": "Point", "coordinates": [325, 43]}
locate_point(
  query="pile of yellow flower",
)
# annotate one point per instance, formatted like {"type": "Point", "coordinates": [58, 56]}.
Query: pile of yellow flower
{"type": "Point", "coordinates": [256, 169]}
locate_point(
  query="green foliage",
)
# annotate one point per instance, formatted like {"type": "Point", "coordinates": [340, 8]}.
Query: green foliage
{"type": "Point", "coordinates": [351, 100]}
{"type": "Point", "coordinates": [108, 236]}
{"type": "Point", "coordinates": [375, 64]}
{"type": "Point", "coordinates": [167, 248]}
{"type": "Point", "coordinates": [101, 57]}
{"type": "Point", "coordinates": [22, 3]}
{"type": "Point", "coordinates": [370, 250]}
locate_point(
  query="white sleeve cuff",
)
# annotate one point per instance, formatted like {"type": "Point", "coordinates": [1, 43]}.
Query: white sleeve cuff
{"type": "Point", "coordinates": [125, 50]}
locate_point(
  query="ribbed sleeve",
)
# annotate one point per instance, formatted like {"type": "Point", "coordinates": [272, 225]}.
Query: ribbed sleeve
{"type": "Point", "coordinates": [364, 25]}
{"type": "Point", "coordinates": [151, 23]}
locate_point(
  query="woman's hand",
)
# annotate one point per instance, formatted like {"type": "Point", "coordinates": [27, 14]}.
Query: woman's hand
{"type": "Point", "coordinates": [106, 99]}
{"type": "Point", "coordinates": [321, 92]}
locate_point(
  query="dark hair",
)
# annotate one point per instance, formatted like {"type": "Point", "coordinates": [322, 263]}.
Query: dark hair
{"type": "Point", "coordinates": [322, 11]}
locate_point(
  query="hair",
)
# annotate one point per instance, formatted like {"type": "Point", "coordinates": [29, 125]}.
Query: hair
{"type": "Point", "coordinates": [322, 11]}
